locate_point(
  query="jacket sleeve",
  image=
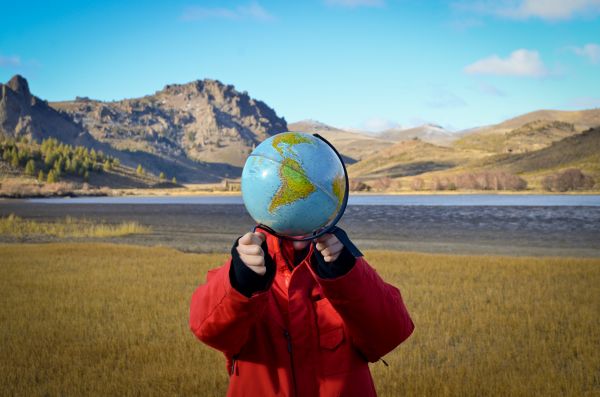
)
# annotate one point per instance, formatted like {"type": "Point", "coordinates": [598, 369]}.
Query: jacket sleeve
{"type": "Point", "coordinates": [372, 310]}
{"type": "Point", "coordinates": [221, 316]}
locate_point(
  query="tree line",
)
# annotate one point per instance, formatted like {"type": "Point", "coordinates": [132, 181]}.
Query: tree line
{"type": "Point", "coordinates": [51, 159]}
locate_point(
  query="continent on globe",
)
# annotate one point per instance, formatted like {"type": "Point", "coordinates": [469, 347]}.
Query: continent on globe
{"type": "Point", "coordinates": [289, 139]}
{"type": "Point", "coordinates": [338, 186]}
{"type": "Point", "coordinates": [295, 185]}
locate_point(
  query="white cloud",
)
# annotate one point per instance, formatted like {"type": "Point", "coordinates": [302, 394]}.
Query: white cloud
{"type": "Point", "coordinates": [251, 11]}
{"type": "Point", "coordinates": [551, 10]}
{"type": "Point", "coordinates": [356, 3]}
{"type": "Point", "coordinates": [522, 62]}
{"type": "Point", "coordinates": [378, 124]}
{"type": "Point", "coordinates": [12, 61]}
{"type": "Point", "coordinates": [590, 51]}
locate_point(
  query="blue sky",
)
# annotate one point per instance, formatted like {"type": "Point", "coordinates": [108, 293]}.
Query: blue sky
{"type": "Point", "coordinates": [368, 64]}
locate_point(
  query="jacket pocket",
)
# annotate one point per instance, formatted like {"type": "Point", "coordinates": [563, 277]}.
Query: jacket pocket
{"type": "Point", "coordinates": [331, 339]}
{"type": "Point", "coordinates": [335, 353]}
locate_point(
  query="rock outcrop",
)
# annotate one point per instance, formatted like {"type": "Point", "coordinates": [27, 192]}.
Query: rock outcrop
{"type": "Point", "coordinates": [149, 131]}
{"type": "Point", "coordinates": [25, 115]}
{"type": "Point", "coordinates": [204, 120]}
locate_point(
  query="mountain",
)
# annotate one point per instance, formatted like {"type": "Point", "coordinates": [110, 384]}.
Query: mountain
{"type": "Point", "coordinates": [431, 133]}
{"type": "Point", "coordinates": [578, 151]}
{"type": "Point", "coordinates": [531, 146]}
{"type": "Point", "coordinates": [198, 132]}
{"type": "Point", "coordinates": [311, 126]}
{"type": "Point", "coordinates": [25, 115]}
{"type": "Point", "coordinates": [583, 119]}
{"type": "Point", "coordinates": [528, 132]}
{"type": "Point", "coordinates": [204, 120]}
{"type": "Point", "coordinates": [353, 146]}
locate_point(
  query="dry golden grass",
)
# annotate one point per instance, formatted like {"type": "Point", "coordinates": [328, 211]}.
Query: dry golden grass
{"type": "Point", "coordinates": [101, 319]}
{"type": "Point", "coordinates": [17, 227]}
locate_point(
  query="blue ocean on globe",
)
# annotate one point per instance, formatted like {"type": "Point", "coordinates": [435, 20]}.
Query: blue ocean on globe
{"type": "Point", "coordinates": [293, 183]}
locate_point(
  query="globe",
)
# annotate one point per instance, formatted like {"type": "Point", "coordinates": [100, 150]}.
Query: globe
{"type": "Point", "coordinates": [294, 183]}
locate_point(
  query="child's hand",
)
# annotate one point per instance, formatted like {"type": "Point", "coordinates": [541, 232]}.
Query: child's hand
{"type": "Point", "coordinates": [329, 246]}
{"type": "Point", "coordinates": [251, 253]}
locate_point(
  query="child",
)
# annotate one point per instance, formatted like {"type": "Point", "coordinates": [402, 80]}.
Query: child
{"type": "Point", "coordinates": [298, 319]}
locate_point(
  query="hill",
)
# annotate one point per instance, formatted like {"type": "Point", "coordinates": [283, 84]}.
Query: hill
{"type": "Point", "coordinates": [579, 151]}
{"type": "Point", "coordinates": [431, 133]}
{"type": "Point", "coordinates": [530, 131]}
{"type": "Point", "coordinates": [353, 146]}
{"type": "Point", "coordinates": [408, 158]}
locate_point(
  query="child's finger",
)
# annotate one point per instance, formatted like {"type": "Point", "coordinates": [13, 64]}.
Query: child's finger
{"type": "Point", "coordinates": [252, 238]}
{"type": "Point", "coordinates": [332, 250]}
{"type": "Point", "coordinates": [250, 249]}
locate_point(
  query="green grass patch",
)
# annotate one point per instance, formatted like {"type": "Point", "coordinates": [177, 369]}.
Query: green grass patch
{"type": "Point", "coordinates": [105, 319]}
{"type": "Point", "coordinates": [18, 227]}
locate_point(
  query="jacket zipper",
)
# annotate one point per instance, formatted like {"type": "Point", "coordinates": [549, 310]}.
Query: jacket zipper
{"type": "Point", "coordinates": [286, 334]}
{"type": "Point", "coordinates": [233, 360]}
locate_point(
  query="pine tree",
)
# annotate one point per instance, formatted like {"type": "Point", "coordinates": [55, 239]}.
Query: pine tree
{"type": "Point", "coordinates": [41, 176]}
{"type": "Point", "coordinates": [162, 176]}
{"type": "Point", "coordinates": [52, 178]}
{"type": "Point", "coordinates": [14, 161]}
{"type": "Point", "coordinates": [139, 170]}
{"type": "Point", "coordinates": [174, 180]}
{"type": "Point", "coordinates": [106, 166]}
{"type": "Point", "coordinates": [30, 168]}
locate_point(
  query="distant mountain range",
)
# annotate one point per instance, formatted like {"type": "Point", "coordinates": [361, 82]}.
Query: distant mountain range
{"type": "Point", "coordinates": [203, 131]}
{"type": "Point", "coordinates": [431, 133]}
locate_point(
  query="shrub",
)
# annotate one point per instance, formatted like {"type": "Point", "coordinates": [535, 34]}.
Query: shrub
{"type": "Point", "coordinates": [571, 179]}
{"type": "Point", "coordinates": [382, 184]}
{"type": "Point", "coordinates": [359, 186]}
{"type": "Point", "coordinates": [417, 184]}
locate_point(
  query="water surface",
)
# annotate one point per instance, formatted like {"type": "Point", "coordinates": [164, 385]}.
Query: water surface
{"type": "Point", "coordinates": [567, 225]}
{"type": "Point", "coordinates": [412, 200]}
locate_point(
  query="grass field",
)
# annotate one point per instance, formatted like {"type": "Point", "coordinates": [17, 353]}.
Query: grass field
{"type": "Point", "coordinates": [20, 228]}
{"type": "Point", "coordinates": [101, 319]}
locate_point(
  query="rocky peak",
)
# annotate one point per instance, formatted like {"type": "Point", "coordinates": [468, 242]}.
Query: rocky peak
{"type": "Point", "coordinates": [203, 120]}
{"type": "Point", "coordinates": [19, 85]}
{"type": "Point", "coordinates": [211, 89]}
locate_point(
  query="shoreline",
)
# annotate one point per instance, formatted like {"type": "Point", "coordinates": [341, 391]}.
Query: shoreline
{"type": "Point", "coordinates": [513, 230]}
{"type": "Point", "coordinates": [195, 193]}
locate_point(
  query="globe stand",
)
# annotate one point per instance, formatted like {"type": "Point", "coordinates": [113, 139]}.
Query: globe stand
{"type": "Point", "coordinates": [331, 228]}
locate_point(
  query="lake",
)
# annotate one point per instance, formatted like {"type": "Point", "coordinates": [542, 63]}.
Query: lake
{"type": "Point", "coordinates": [425, 199]}
{"type": "Point", "coordinates": [558, 225]}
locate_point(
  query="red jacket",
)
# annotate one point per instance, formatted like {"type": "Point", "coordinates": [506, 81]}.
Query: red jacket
{"type": "Point", "coordinates": [303, 336]}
